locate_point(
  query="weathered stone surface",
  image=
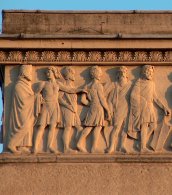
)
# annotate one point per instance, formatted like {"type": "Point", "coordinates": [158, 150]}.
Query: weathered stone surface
{"type": "Point", "coordinates": [61, 22]}
{"type": "Point", "coordinates": [82, 178]}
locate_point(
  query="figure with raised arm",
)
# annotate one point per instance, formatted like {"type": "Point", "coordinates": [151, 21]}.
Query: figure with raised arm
{"type": "Point", "coordinates": [68, 103]}
{"type": "Point", "coordinates": [50, 111]}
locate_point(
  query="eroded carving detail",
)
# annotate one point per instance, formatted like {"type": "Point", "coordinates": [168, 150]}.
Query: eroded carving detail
{"type": "Point", "coordinates": [15, 56]}
{"type": "Point", "coordinates": [79, 56]}
{"type": "Point", "coordinates": [64, 56]}
{"type": "Point", "coordinates": [110, 56]}
{"type": "Point", "coordinates": [125, 56]}
{"type": "Point", "coordinates": [2, 56]}
{"type": "Point", "coordinates": [168, 56]}
{"type": "Point", "coordinates": [94, 56]}
{"type": "Point", "coordinates": [91, 56]}
{"type": "Point", "coordinates": [156, 56]}
{"type": "Point", "coordinates": [32, 56]}
{"type": "Point", "coordinates": [48, 56]}
{"type": "Point", "coordinates": [141, 56]}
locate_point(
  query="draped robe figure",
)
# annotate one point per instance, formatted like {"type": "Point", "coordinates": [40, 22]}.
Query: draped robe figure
{"type": "Point", "coordinates": [22, 112]}
{"type": "Point", "coordinates": [142, 115]}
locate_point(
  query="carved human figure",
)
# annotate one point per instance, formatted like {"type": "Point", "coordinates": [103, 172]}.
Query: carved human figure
{"type": "Point", "coordinates": [50, 111]}
{"type": "Point", "coordinates": [95, 100]}
{"type": "Point", "coordinates": [68, 102]}
{"type": "Point", "coordinates": [142, 114]}
{"type": "Point", "coordinates": [22, 112]}
{"type": "Point", "coordinates": [118, 104]}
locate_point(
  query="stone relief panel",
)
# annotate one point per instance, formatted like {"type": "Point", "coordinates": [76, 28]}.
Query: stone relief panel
{"type": "Point", "coordinates": [88, 109]}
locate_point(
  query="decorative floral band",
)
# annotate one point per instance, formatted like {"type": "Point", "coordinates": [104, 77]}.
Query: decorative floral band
{"type": "Point", "coordinates": [86, 56]}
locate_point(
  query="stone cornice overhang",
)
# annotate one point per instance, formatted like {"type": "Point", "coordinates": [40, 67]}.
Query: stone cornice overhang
{"type": "Point", "coordinates": [119, 36]}
{"type": "Point", "coordinates": [128, 49]}
{"type": "Point", "coordinates": [90, 11]}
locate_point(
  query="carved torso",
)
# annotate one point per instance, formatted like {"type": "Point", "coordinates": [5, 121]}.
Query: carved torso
{"type": "Point", "coordinates": [95, 115]}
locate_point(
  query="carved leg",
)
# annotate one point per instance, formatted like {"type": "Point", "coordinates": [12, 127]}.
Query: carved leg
{"type": "Point", "coordinates": [96, 134]}
{"type": "Point", "coordinates": [38, 137]}
{"type": "Point", "coordinates": [144, 138]}
{"type": "Point", "coordinates": [84, 134]}
{"type": "Point", "coordinates": [15, 141]}
{"type": "Point", "coordinates": [114, 138]}
{"type": "Point", "coordinates": [123, 141]}
{"type": "Point", "coordinates": [66, 140]}
{"type": "Point", "coordinates": [51, 139]}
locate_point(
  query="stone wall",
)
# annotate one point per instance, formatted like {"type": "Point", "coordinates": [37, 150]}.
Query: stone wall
{"type": "Point", "coordinates": [85, 178]}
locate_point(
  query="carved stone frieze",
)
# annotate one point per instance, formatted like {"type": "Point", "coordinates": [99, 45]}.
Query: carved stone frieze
{"type": "Point", "coordinates": [88, 109]}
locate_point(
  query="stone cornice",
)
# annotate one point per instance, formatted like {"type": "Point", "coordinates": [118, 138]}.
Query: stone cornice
{"type": "Point", "coordinates": [82, 36]}
{"type": "Point", "coordinates": [85, 158]}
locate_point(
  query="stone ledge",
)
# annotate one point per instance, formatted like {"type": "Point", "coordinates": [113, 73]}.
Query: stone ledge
{"type": "Point", "coordinates": [86, 158]}
{"type": "Point", "coordinates": [90, 11]}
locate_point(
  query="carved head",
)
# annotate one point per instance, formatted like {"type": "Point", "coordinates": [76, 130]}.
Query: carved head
{"type": "Point", "coordinates": [122, 73]}
{"type": "Point", "coordinates": [147, 72]}
{"type": "Point", "coordinates": [26, 72]}
{"type": "Point", "coordinates": [96, 72]}
{"type": "Point", "coordinates": [53, 72]}
{"type": "Point", "coordinates": [69, 73]}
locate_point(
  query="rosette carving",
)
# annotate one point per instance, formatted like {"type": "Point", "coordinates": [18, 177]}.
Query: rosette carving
{"type": "Point", "coordinates": [15, 56]}
{"type": "Point", "coordinates": [32, 56]}
{"type": "Point", "coordinates": [48, 56]}
{"type": "Point", "coordinates": [168, 56]}
{"type": "Point", "coordinates": [156, 56]}
{"type": "Point", "coordinates": [110, 56]}
{"type": "Point", "coordinates": [79, 56]}
{"type": "Point", "coordinates": [64, 56]}
{"type": "Point", "coordinates": [141, 56]}
{"type": "Point", "coordinates": [125, 56]}
{"type": "Point", "coordinates": [2, 56]}
{"type": "Point", "coordinates": [94, 56]}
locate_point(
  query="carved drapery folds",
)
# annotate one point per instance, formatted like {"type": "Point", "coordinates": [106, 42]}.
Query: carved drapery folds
{"type": "Point", "coordinates": [116, 114]}
{"type": "Point", "coordinates": [86, 56]}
